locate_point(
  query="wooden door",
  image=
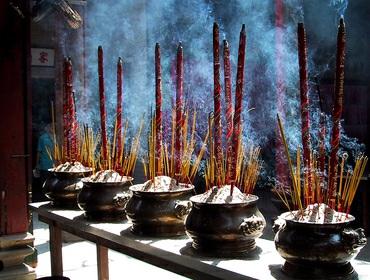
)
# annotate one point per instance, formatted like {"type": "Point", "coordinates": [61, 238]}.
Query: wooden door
{"type": "Point", "coordinates": [15, 169]}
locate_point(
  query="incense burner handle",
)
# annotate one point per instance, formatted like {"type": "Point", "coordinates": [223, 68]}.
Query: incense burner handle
{"type": "Point", "coordinates": [252, 226]}
{"type": "Point", "coordinates": [120, 200]}
{"type": "Point", "coordinates": [355, 239]}
{"type": "Point", "coordinates": [182, 208]}
{"type": "Point", "coordinates": [278, 225]}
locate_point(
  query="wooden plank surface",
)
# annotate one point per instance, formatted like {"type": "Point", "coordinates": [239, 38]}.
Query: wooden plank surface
{"type": "Point", "coordinates": [183, 265]}
{"type": "Point", "coordinates": [174, 254]}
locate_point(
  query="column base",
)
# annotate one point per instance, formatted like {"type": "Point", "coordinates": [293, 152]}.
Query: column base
{"type": "Point", "coordinates": [13, 249]}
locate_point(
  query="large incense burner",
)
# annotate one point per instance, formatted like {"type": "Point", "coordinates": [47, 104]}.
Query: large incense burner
{"type": "Point", "coordinates": [64, 184]}
{"type": "Point", "coordinates": [159, 206]}
{"type": "Point", "coordinates": [317, 249]}
{"type": "Point", "coordinates": [104, 196]}
{"type": "Point", "coordinates": [72, 155]}
{"type": "Point", "coordinates": [225, 221]}
{"type": "Point", "coordinates": [224, 227]}
{"type": "Point", "coordinates": [159, 209]}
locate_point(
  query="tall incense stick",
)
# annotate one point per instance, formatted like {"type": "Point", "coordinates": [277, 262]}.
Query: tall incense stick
{"type": "Point", "coordinates": [229, 111]}
{"type": "Point", "coordinates": [238, 104]}
{"type": "Point", "coordinates": [66, 108]}
{"type": "Point", "coordinates": [118, 152]}
{"type": "Point", "coordinates": [102, 106]}
{"type": "Point", "coordinates": [158, 109]}
{"type": "Point", "coordinates": [217, 100]}
{"type": "Point", "coordinates": [305, 115]}
{"type": "Point", "coordinates": [338, 105]}
{"type": "Point", "coordinates": [179, 94]}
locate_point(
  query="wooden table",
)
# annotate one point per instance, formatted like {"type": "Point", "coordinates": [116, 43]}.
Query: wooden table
{"type": "Point", "coordinates": [174, 254]}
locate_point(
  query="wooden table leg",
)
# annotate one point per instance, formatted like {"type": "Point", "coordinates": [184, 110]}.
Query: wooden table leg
{"type": "Point", "coordinates": [102, 259]}
{"type": "Point", "coordinates": [365, 210]}
{"type": "Point", "coordinates": [56, 259]}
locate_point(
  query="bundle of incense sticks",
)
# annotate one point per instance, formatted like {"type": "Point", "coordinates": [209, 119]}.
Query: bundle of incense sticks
{"type": "Point", "coordinates": [166, 160]}
{"type": "Point", "coordinates": [75, 142]}
{"type": "Point", "coordinates": [86, 144]}
{"type": "Point", "coordinates": [240, 167]}
{"type": "Point", "coordinates": [124, 163]}
{"type": "Point", "coordinates": [175, 160]}
{"type": "Point", "coordinates": [248, 166]}
{"type": "Point", "coordinates": [310, 188]}
{"type": "Point", "coordinates": [345, 190]}
{"type": "Point", "coordinates": [70, 149]}
{"type": "Point", "coordinates": [114, 153]}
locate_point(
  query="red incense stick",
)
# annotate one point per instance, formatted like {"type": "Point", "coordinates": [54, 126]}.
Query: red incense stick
{"type": "Point", "coordinates": [217, 100]}
{"type": "Point", "coordinates": [238, 104]}
{"type": "Point", "coordinates": [229, 111]}
{"type": "Point", "coordinates": [305, 115]}
{"type": "Point", "coordinates": [338, 106]}
{"type": "Point", "coordinates": [179, 93]}
{"type": "Point", "coordinates": [102, 106]}
{"type": "Point", "coordinates": [66, 120]}
{"type": "Point", "coordinates": [158, 105]}
{"type": "Point", "coordinates": [119, 110]}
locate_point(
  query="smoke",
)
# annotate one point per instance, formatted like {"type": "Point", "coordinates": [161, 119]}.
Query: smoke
{"type": "Point", "coordinates": [130, 29]}
{"type": "Point", "coordinates": [340, 6]}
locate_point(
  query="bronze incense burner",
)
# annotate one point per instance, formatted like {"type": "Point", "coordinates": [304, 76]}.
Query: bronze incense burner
{"type": "Point", "coordinates": [224, 229]}
{"type": "Point", "coordinates": [62, 187]}
{"type": "Point", "coordinates": [104, 201]}
{"type": "Point", "coordinates": [317, 251]}
{"type": "Point", "coordinates": [159, 213]}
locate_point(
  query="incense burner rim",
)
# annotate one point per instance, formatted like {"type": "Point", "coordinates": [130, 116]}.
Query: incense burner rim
{"type": "Point", "coordinates": [284, 216]}
{"type": "Point", "coordinates": [251, 199]}
{"type": "Point", "coordinates": [83, 172]}
{"type": "Point", "coordinates": [128, 179]}
{"type": "Point", "coordinates": [136, 189]}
